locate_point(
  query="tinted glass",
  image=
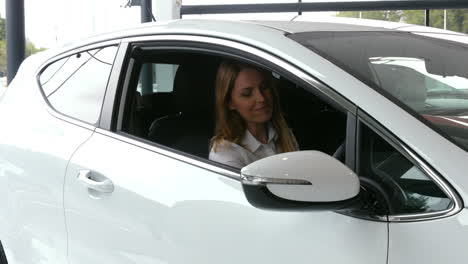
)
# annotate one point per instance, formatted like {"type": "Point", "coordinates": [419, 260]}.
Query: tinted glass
{"type": "Point", "coordinates": [409, 189]}
{"type": "Point", "coordinates": [426, 74]}
{"type": "Point", "coordinates": [75, 85]}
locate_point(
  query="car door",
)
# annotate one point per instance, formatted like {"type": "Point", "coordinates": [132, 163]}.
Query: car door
{"type": "Point", "coordinates": [128, 200]}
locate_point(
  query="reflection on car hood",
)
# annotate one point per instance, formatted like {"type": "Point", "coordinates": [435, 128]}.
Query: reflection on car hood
{"type": "Point", "coordinates": [448, 120]}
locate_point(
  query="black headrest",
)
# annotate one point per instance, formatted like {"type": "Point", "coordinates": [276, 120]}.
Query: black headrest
{"type": "Point", "coordinates": [194, 87]}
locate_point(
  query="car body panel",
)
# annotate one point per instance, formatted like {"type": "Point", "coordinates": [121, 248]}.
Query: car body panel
{"type": "Point", "coordinates": [431, 242]}
{"type": "Point", "coordinates": [166, 211]}
{"type": "Point", "coordinates": [34, 153]}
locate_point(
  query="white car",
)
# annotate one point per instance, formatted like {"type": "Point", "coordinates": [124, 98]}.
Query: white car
{"type": "Point", "coordinates": [104, 146]}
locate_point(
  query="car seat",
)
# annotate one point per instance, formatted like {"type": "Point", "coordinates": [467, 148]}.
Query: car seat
{"type": "Point", "coordinates": [191, 126]}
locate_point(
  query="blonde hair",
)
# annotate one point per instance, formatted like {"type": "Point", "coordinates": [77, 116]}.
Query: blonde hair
{"type": "Point", "coordinates": [230, 126]}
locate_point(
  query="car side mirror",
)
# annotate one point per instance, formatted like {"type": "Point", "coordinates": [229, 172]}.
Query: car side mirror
{"type": "Point", "coordinates": [302, 180]}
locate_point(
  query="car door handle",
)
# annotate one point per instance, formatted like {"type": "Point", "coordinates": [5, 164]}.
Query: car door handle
{"type": "Point", "coordinates": [105, 186]}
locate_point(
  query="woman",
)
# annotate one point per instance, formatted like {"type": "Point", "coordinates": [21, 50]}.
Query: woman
{"type": "Point", "coordinates": [249, 122]}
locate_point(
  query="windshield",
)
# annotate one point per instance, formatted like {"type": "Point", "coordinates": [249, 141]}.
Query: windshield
{"type": "Point", "coordinates": [428, 75]}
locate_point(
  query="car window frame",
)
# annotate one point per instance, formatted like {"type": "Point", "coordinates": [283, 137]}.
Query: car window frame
{"type": "Point", "coordinates": [67, 53]}
{"type": "Point", "coordinates": [114, 105]}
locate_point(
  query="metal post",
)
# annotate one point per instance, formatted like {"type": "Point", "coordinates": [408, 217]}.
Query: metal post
{"type": "Point", "coordinates": [428, 18]}
{"type": "Point", "coordinates": [300, 10]}
{"type": "Point", "coordinates": [15, 36]}
{"type": "Point", "coordinates": [146, 10]}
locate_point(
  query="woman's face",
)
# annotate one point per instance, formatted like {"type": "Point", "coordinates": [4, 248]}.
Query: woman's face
{"type": "Point", "coordinates": [252, 97]}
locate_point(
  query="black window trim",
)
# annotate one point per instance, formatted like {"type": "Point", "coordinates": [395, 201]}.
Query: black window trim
{"type": "Point", "coordinates": [112, 87]}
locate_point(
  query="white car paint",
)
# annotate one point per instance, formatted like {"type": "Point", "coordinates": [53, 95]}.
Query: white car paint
{"type": "Point", "coordinates": [167, 211]}
{"type": "Point", "coordinates": [438, 241]}
{"type": "Point", "coordinates": [331, 180]}
{"type": "Point", "coordinates": [34, 154]}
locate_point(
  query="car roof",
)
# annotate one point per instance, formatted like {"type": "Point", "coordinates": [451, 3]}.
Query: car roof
{"type": "Point", "coordinates": [210, 27]}
{"type": "Point", "coordinates": [305, 23]}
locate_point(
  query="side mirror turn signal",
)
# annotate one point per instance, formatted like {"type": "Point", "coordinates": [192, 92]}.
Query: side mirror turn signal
{"type": "Point", "coordinates": [308, 180]}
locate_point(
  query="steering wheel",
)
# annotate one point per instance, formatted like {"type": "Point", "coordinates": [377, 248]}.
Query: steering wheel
{"type": "Point", "coordinates": [387, 183]}
{"type": "Point", "coordinates": [374, 188]}
{"type": "Point", "coordinates": [398, 192]}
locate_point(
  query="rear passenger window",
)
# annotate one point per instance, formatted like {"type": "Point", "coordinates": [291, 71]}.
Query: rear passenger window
{"type": "Point", "coordinates": [75, 85]}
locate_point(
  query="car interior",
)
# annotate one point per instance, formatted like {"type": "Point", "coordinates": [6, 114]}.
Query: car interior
{"type": "Point", "coordinates": [182, 117]}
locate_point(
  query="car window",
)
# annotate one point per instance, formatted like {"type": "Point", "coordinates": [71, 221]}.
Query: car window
{"type": "Point", "coordinates": [75, 85]}
{"type": "Point", "coordinates": [156, 78]}
{"type": "Point", "coordinates": [425, 74]}
{"type": "Point", "coordinates": [176, 110]}
{"type": "Point", "coordinates": [409, 190]}
{"type": "Point", "coordinates": [170, 100]}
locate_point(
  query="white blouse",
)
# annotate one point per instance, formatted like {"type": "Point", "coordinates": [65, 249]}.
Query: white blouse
{"type": "Point", "coordinates": [237, 156]}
